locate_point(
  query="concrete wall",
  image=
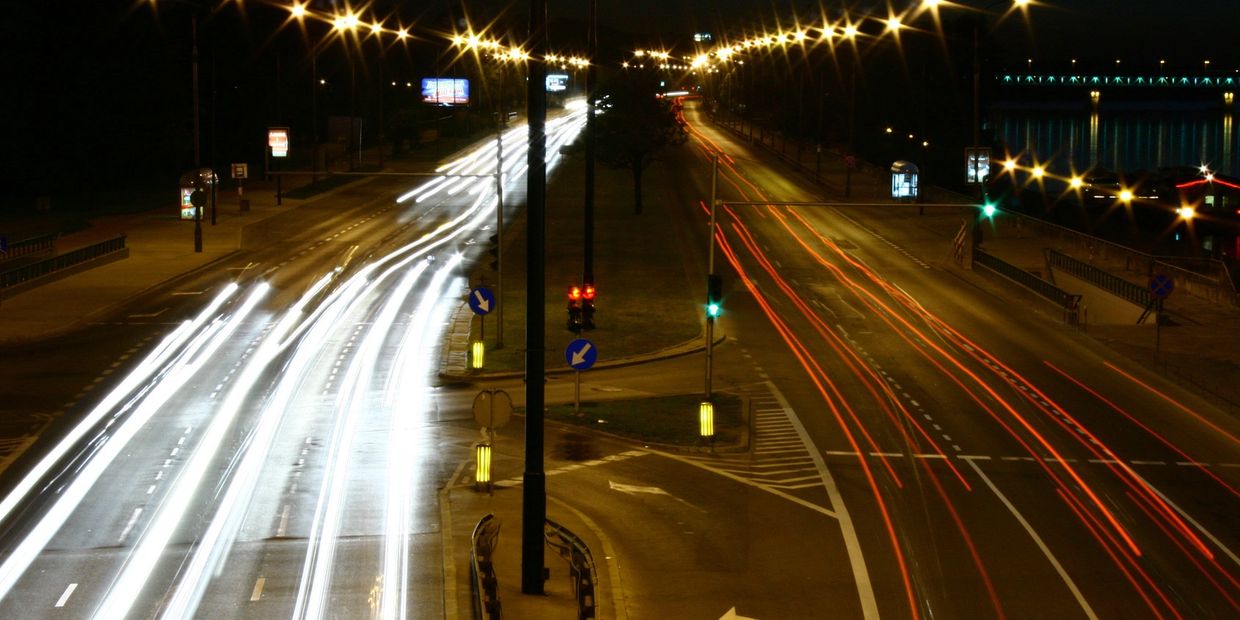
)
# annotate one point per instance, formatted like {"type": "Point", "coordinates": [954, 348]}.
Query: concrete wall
{"type": "Point", "coordinates": [1099, 307]}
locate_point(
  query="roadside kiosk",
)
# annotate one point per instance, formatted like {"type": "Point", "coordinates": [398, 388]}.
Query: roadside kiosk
{"type": "Point", "coordinates": [203, 179]}
{"type": "Point", "coordinates": [904, 181]}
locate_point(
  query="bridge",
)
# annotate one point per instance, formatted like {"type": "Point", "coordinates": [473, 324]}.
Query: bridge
{"type": "Point", "coordinates": [1126, 81]}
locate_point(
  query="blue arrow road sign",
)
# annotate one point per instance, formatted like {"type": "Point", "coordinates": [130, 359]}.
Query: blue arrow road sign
{"type": "Point", "coordinates": [580, 354]}
{"type": "Point", "coordinates": [1161, 285]}
{"type": "Point", "coordinates": [481, 300]}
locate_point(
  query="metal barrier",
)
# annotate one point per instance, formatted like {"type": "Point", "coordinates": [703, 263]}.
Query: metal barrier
{"type": "Point", "coordinates": [14, 277]}
{"type": "Point", "coordinates": [1043, 288]}
{"type": "Point", "coordinates": [580, 566]}
{"type": "Point", "coordinates": [1102, 279]}
{"type": "Point", "coordinates": [482, 568]}
{"type": "Point", "coordinates": [1208, 278]}
{"type": "Point", "coordinates": [26, 247]}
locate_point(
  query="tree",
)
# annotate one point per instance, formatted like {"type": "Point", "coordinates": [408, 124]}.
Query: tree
{"type": "Point", "coordinates": [633, 124]}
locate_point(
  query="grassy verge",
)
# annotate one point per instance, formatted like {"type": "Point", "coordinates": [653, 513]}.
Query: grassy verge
{"type": "Point", "coordinates": [668, 420]}
{"type": "Point", "coordinates": [645, 297]}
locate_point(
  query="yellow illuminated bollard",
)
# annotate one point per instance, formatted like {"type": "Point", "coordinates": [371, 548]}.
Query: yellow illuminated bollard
{"type": "Point", "coordinates": [706, 419]}
{"type": "Point", "coordinates": [482, 472]}
{"type": "Point", "coordinates": [477, 351]}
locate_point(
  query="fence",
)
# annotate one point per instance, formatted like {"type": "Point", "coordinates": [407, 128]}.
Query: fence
{"type": "Point", "coordinates": [1039, 286]}
{"type": "Point", "coordinates": [1206, 278]}
{"type": "Point", "coordinates": [43, 244]}
{"type": "Point", "coordinates": [28, 274]}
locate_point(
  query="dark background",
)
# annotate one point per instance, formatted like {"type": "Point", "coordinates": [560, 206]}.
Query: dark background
{"type": "Point", "coordinates": [97, 110]}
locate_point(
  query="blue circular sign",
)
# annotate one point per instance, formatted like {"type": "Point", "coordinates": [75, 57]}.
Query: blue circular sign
{"type": "Point", "coordinates": [481, 300]}
{"type": "Point", "coordinates": [1161, 285]}
{"type": "Point", "coordinates": [580, 354]}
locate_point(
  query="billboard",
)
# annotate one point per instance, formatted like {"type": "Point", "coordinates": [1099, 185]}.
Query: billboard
{"type": "Point", "coordinates": [445, 91]}
{"type": "Point", "coordinates": [557, 82]}
{"type": "Point", "coordinates": [277, 141]}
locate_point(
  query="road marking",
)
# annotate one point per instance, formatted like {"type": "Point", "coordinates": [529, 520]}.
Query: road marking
{"type": "Point", "coordinates": [64, 598]}
{"type": "Point", "coordinates": [1038, 540]}
{"type": "Point", "coordinates": [283, 529]}
{"type": "Point", "coordinates": [258, 589]}
{"type": "Point", "coordinates": [1197, 525]}
{"type": "Point", "coordinates": [180, 293]}
{"type": "Point", "coordinates": [148, 315]}
{"type": "Point", "coordinates": [137, 512]}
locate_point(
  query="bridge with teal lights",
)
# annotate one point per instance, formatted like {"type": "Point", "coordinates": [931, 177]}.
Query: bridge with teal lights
{"type": "Point", "coordinates": [1126, 81]}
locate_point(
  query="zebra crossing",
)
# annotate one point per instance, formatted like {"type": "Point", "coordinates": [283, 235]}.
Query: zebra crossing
{"type": "Point", "coordinates": [778, 458]}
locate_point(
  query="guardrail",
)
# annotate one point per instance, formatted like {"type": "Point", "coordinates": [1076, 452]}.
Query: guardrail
{"type": "Point", "coordinates": [1208, 278]}
{"type": "Point", "coordinates": [43, 268]}
{"type": "Point", "coordinates": [1102, 279]}
{"type": "Point", "coordinates": [1045, 289]}
{"type": "Point", "coordinates": [482, 568]}
{"type": "Point", "coordinates": [26, 247]}
{"type": "Point", "coordinates": [580, 566]}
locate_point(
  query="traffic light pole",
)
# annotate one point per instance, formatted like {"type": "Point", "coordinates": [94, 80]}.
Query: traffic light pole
{"type": "Point", "coordinates": [710, 268]}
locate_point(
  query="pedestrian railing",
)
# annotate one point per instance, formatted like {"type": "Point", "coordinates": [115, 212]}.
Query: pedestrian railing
{"type": "Point", "coordinates": [43, 268]}
{"type": "Point", "coordinates": [1109, 282]}
{"type": "Point", "coordinates": [580, 566]}
{"type": "Point", "coordinates": [42, 244]}
{"type": "Point", "coordinates": [1028, 280]}
{"type": "Point", "coordinates": [482, 569]}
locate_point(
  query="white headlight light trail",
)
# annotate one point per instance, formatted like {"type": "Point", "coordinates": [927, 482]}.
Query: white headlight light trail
{"type": "Point", "coordinates": [146, 369]}
{"type": "Point", "coordinates": [142, 560]}
{"type": "Point", "coordinates": [408, 379]}
{"type": "Point", "coordinates": [182, 370]}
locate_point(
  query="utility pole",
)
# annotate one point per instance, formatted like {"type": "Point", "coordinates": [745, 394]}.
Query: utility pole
{"type": "Point", "coordinates": [587, 277]}
{"type": "Point", "coordinates": [534, 480]}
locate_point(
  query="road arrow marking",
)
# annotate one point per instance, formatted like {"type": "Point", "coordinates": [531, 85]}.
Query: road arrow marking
{"type": "Point", "coordinates": [483, 303]}
{"type": "Point", "coordinates": [633, 489]}
{"type": "Point", "coordinates": [580, 356]}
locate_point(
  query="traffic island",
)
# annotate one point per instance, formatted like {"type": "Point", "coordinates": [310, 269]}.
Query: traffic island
{"type": "Point", "coordinates": [664, 421]}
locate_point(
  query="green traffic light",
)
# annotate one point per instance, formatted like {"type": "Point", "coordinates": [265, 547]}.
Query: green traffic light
{"type": "Point", "coordinates": [713, 310]}
{"type": "Point", "coordinates": [988, 209]}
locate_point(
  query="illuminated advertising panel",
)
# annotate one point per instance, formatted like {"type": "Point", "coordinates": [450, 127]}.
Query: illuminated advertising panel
{"type": "Point", "coordinates": [557, 82]}
{"type": "Point", "coordinates": [445, 91]}
{"type": "Point", "coordinates": [277, 141]}
{"type": "Point", "coordinates": [187, 207]}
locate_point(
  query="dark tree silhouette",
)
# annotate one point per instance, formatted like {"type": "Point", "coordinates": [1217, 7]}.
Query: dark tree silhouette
{"type": "Point", "coordinates": [634, 124]}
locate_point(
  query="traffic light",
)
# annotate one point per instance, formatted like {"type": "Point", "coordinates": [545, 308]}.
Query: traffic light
{"type": "Point", "coordinates": [493, 250]}
{"type": "Point", "coordinates": [714, 296]}
{"type": "Point", "coordinates": [574, 309]}
{"type": "Point", "coordinates": [587, 307]}
{"type": "Point", "coordinates": [989, 208]}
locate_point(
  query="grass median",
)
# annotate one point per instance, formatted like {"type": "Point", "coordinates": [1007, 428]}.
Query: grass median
{"type": "Point", "coordinates": [646, 299]}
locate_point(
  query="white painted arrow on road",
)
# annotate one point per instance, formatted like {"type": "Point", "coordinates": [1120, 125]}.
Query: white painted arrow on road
{"type": "Point", "coordinates": [580, 356]}
{"type": "Point", "coordinates": [633, 489]}
{"type": "Point", "coordinates": [731, 615]}
{"type": "Point", "coordinates": [483, 302]}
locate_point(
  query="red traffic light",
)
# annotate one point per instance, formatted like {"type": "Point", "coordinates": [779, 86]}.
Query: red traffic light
{"type": "Point", "coordinates": [574, 293]}
{"type": "Point", "coordinates": [589, 291]}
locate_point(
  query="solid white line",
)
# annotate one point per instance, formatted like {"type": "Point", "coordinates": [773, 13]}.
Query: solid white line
{"type": "Point", "coordinates": [1063, 574]}
{"type": "Point", "coordinates": [258, 589]}
{"type": "Point", "coordinates": [865, 589]}
{"type": "Point", "coordinates": [1197, 525]}
{"type": "Point", "coordinates": [64, 598]}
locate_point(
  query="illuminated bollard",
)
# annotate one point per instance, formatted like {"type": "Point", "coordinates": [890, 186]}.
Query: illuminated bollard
{"type": "Point", "coordinates": [482, 461]}
{"type": "Point", "coordinates": [477, 351]}
{"type": "Point", "coordinates": [706, 419]}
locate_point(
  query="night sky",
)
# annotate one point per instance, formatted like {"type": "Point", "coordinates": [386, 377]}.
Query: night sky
{"type": "Point", "coordinates": [98, 93]}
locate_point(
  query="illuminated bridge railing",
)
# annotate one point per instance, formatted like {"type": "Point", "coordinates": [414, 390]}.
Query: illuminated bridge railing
{"type": "Point", "coordinates": [1125, 81]}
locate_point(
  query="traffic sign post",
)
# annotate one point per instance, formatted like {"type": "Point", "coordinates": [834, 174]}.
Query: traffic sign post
{"type": "Point", "coordinates": [1161, 287]}
{"type": "Point", "coordinates": [492, 409]}
{"type": "Point", "coordinates": [580, 355]}
{"type": "Point", "coordinates": [482, 302]}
